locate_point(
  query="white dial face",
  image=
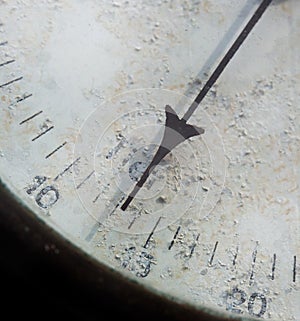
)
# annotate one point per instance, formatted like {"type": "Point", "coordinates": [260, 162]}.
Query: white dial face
{"type": "Point", "coordinates": [83, 90]}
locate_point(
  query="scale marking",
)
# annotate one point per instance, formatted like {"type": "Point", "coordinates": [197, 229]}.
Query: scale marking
{"type": "Point", "coordinates": [30, 118]}
{"type": "Point", "coordinates": [152, 232]}
{"type": "Point", "coordinates": [42, 133]}
{"type": "Point", "coordinates": [88, 177]}
{"type": "Point", "coordinates": [66, 169]}
{"type": "Point", "coordinates": [7, 63]}
{"type": "Point", "coordinates": [24, 97]}
{"type": "Point", "coordinates": [11, 82]}
{"type": "Point", "coordinates": [55, 150]}
{"type": "Point", "coordinates": [174, 237]}
{"type": "Point", "coordinates": [213, 253]}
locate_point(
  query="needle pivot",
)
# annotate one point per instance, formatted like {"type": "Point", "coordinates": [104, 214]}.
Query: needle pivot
{"type": "Point", "coordinates": [176, 131]}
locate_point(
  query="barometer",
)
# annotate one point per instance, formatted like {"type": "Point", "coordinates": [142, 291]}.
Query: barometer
{"type": "Point", "coordinates": [160, 141]}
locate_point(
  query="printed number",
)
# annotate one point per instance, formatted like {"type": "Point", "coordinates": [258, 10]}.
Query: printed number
{"type": "Point", "coordinates": [257, 303]}
{"type": "Point", "coordinates": [263, 304]}
{"type": "Point", "coordinates": [37, 182]}
{"type": "Point", "coordinates": [47, 196]}
{"type": "Point", "coordinates": [234, 299]}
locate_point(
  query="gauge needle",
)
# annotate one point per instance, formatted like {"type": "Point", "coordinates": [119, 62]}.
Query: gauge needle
{"type": "Point", "coordinates": [176, 129]}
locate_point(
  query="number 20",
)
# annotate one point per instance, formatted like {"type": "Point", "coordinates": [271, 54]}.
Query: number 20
{"type": "Point", "coordinates": [237, 297]}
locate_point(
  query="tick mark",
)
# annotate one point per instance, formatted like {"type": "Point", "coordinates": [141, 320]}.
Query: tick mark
{"type": "Point", "coordinates": [254, 255]}
{"type": "Point", "coordinates": [134, 219]}
{"type": "Point", "coordinates": [56, 149]}
{"type": "Point", "coordinates": [31, 117]}
{"type": "Point", "coordinates": [294, 268]}
{"type": "Point", "coordinates": [152, 232]}
{"type": "Point", "coordinates": [174, 237]}
{"type": "Point", "coordinates": [7, 63]}
{"type": "Point", "coordinates": [11, 82]}
{"type": "Point", "coordinates": [88, 177]}
{"type": "Point", "coordinates": [235, 256]}
{"type": "Point", "coordinates": [194, 245]}
{"type": "Point", "coordinates": [66, 169]}
{"type": "Point", "coordinates": [19, 99]}
{"type": "Point", "coordinates": [213, 253]}
{"type": "Point", "coordinates": [3, 43]}
{"type": "Point", "coordinates": [120, 201]}
{"type": "Point", "coordinates": [96, 198]}
{"type": "Point", "coordinates": [273, 267]}
{"type": "Point", "coordinates": [42, 133]}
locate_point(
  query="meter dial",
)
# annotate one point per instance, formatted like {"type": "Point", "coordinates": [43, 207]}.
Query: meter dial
{"type": "Point", "coordinates": [84, 89]}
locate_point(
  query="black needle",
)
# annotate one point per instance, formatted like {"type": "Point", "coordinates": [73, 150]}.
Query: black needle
{"type": "Point", "coordinates": [176, 130]}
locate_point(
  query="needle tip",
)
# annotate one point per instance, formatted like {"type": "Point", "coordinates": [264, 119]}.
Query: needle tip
{"type": "Point", "coordinates": [126, 203]}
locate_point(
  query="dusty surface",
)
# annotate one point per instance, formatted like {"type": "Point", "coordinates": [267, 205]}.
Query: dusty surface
{"type": "Point", "coordinates": [83, 90]}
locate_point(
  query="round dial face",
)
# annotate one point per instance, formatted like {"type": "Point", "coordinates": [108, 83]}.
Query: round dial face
{"type": "Point", "coordinates": [87, 90]}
